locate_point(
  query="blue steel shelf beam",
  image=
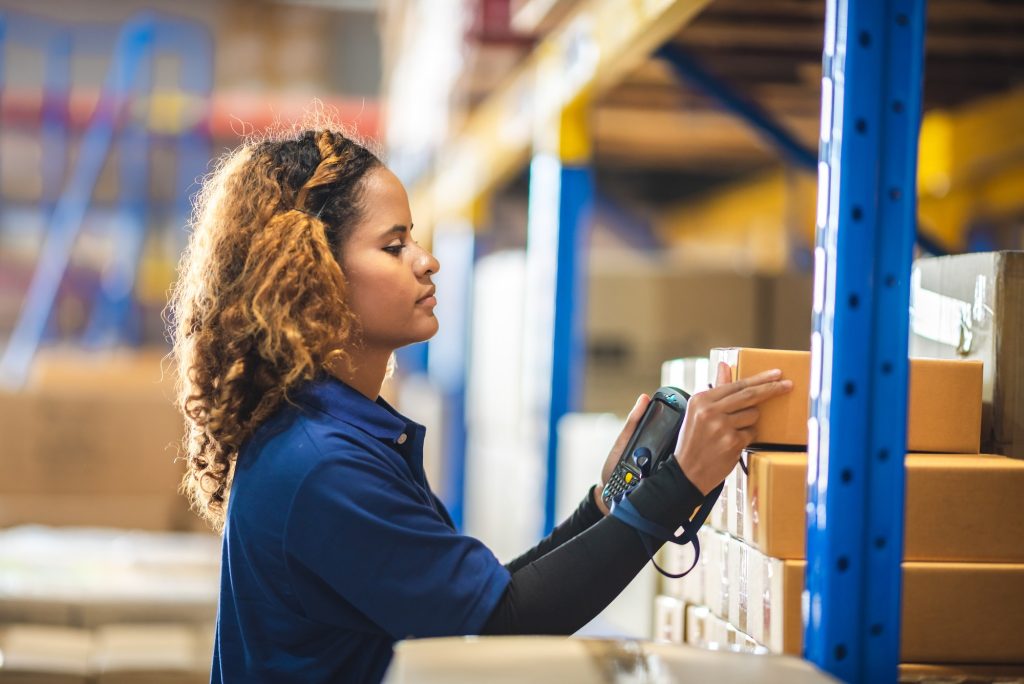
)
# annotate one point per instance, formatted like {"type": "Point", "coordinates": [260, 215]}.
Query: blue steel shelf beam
{"type": "Point", "coordinates": [871, 114]}
{"type": "Point", "coordinates": [691, 71]}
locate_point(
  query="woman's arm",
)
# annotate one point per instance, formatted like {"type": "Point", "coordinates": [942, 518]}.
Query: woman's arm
{"type": "Point", "coordinates": [585, 515]}
{"type": "Point", "coordinates": [561, 591]}
{"type": "Point", "coordinates": [591, 509]}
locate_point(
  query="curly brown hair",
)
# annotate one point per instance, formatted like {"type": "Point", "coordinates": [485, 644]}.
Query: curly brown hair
{"type": "Point", "coordinates": [259, 305]}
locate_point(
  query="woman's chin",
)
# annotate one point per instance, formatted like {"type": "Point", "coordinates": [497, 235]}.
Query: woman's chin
{"type": "Point", "coordinates": [422, 333]}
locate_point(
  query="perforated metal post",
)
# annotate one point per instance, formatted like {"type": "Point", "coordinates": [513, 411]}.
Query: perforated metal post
{"type": "Point", "coordinates": [871, 111]}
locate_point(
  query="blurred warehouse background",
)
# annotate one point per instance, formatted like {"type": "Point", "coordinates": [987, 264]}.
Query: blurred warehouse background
{"type": "Point", "coordinates": [701, 145]}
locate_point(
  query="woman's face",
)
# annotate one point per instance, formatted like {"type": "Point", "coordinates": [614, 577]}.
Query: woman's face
{"type": "Point", "coordinates": [388, 274]}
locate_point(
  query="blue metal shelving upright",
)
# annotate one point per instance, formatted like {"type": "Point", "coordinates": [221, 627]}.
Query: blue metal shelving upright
{"type": "Point", "coordinates": [871, 112]}
{"type": "Point", "coordinates": [560, 207]}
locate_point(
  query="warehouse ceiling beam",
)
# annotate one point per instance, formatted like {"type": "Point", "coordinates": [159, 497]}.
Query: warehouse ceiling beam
{"type": "Point", "coordinates": [691, 71]}
{"type": "Point", "coordinates": [591, 50]}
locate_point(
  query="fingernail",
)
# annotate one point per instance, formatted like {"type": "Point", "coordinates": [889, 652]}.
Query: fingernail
{"type": "Point", "coordinates": [787, 383]}
{"type": "Point", "coordinates": [776, 371]}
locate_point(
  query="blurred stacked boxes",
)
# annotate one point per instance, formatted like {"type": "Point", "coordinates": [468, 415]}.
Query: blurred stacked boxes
{"type": "Point", "coordinates": [105, 574]}
{"type": "Point", "coordinates": [93, 440]}
{"type": "Point", "coordinates": [963, 570]}
{"type": "Point", "coordinates": [103, 605]}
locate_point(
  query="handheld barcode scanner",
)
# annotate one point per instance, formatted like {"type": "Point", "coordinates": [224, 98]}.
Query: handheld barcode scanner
{"type": "Point", "coordinates": [649, 448]}
{"type": "Point", "coordinates": [652, 443]}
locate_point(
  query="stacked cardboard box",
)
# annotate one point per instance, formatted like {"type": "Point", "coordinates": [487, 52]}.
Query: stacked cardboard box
{"type": "Point", "coordinates": [968, 306]}
{"type": "Point", "coordinates": [943, 407]}
{"type": "Point", "coordinates": [106, 606]}
{"type": "Point", "coordinates": [964, 568]}
{"type": "Point", "coordinates": [114, 654]}
{"type": "Point", "coordinates": [93, 440]}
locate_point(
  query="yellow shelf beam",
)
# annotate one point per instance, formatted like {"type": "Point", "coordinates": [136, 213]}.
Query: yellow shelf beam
{"type": "Point", "coordinates": [596, 46]}
{"type": "Point", "coordinates": [970, 166]}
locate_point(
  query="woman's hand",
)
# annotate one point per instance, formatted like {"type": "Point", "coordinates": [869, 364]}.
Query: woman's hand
{"type": "Point", "coordinates": [620, 443]}
{"type": "Point", "coordinates": [719, 424]}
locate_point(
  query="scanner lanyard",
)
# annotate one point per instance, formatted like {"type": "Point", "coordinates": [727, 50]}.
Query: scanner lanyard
{"type": "Point", "coordinates": [625, 511]}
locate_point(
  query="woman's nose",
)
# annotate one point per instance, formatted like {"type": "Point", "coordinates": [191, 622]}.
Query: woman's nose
{"type": "Point", "coordinates": [428, 263]}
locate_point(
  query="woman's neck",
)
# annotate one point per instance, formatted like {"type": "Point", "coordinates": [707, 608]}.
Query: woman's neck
{"type": "Point", "coordinates": [363, 371]}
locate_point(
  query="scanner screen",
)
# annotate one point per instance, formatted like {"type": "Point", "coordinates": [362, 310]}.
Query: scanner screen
{"type": "Point", "coordinates": [659, 431]}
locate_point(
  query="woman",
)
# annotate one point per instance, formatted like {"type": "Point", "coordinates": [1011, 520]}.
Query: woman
{"type": "Point", "coordinates": [300, 280]}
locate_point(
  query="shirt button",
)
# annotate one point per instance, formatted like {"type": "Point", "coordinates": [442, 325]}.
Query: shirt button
{"type": "Point", "coordinates": [401, 438]}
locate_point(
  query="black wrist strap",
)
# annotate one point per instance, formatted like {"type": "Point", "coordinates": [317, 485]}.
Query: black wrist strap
{"type": "Point", "coordinates": [625, 511]}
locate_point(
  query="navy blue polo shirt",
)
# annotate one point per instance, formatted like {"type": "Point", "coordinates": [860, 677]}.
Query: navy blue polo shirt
{"type": "Point", "coordinates": [335, 547]}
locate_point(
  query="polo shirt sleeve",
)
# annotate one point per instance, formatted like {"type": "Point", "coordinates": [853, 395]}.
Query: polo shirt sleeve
{"type": "Point", "coordinates": [372, 537]}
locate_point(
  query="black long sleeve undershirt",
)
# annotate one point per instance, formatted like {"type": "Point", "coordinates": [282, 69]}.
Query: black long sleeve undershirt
{"type": "Point", "coordinates": [562, 589]}
{"type": "Point", "coordinates": [585, 515]}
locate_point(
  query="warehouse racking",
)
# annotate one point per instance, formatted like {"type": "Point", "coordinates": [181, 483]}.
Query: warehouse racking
{"type": "Point", "coordinates": [871, 97]}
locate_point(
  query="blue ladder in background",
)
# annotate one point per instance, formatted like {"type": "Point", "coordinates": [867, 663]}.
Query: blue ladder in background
{"type": "Point", "coordinates": [127, 83]}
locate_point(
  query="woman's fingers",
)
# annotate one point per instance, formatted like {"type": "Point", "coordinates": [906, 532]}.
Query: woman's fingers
{"type": "Point", "coordinates": [724, 375]}
{"type": "Point", "coordinates": [728, 388]}
{"type": "Point", "coordinates": [754, 395]}
{"type": "Point", "coordinates": [745, 418]}
{"type": "Point", "coordinates": [748, 436]}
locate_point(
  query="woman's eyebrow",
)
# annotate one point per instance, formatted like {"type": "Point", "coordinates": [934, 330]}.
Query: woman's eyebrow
{"type": "Point", "coordinates": [397, 228]}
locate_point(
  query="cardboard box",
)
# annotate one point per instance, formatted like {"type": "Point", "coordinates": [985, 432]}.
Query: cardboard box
{"type": "Point", "coordinates": [115, 654]}
{"type": "Point", "coordinates": [706, 630]}
{"type": "Point", "coordinates": [149, 653]}
{"type": "Point", "coordinates": [93, 441]}
{"type": "Point", "coordinates": [737, 502]}
{"type": "Point", "coordinates": [917, 673]}
{"type": "Point", "coordinates": [550, 660]}
{"type": "Point", "coordinates": [675, 558]}
{"type": "Point", "coordinates": [41, 653]}
{"type": "Point", "coordinates": [96, 442]}
{"type": "Point", "coordinates": [936, 529]}
{"type": "Point", "coordinates": [88, 577]}
{"type": "Point", "coordinates": [943, 409]}
{"type": "Point", "coordinates": [638, 316]}
{"type": "Point", "coordinates": [783, 420]}
{"type": "Point", "coordinates": [952, 612]}
{"type": "Point", "coordinates": [715, 547]}
{"type": "Point", "coordinates": [696, 631]}
{"type": "Point", "coordinates": [669, 620]}
{"type": "Point", "coordinates": [157, 512]}
{"type": "Point", "coordinates": [719, 516]}
{"type": "Point", "coordinates": [968, 306]}
{"type": "Point", "coordinates": [741, 590]}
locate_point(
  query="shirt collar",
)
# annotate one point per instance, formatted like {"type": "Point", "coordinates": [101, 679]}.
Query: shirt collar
{"type": "Point", "coordinates": [333, 397]}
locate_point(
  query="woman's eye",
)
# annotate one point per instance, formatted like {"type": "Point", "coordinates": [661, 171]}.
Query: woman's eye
{"type": "Point", "coordinates": [395, 249]}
